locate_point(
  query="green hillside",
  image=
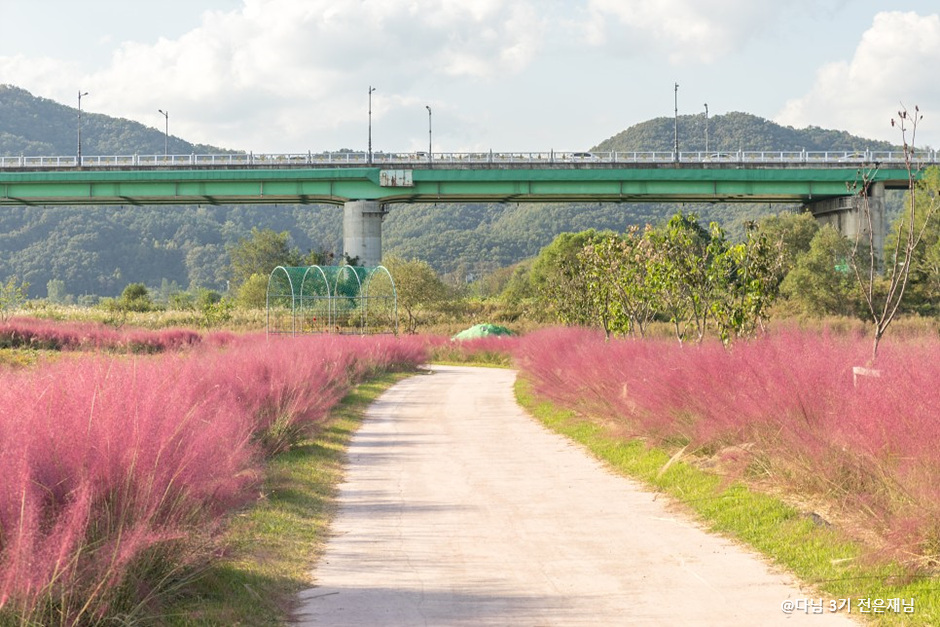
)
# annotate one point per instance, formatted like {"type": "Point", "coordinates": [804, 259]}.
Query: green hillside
{"type": "Point", "coordinates": [97, 251]}
{"type": "Point", "coordinates": [31, 126]}
{"type": "Point", "coordinates": [731, 132]}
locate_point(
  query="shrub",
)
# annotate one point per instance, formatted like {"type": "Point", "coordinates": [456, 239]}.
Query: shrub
{"type": "Point", "coordinates": [135, 297]}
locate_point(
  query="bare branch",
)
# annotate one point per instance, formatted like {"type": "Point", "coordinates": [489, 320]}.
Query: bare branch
{"type": "Point", "coordinates": [895, 275]}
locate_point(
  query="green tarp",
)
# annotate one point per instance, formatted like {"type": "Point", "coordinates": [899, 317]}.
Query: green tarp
{"type": "Point", "coordinates": [482, 330]}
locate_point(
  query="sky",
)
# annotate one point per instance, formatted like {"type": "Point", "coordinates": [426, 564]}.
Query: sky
{"type": "Point", "coordinates": [283, 76]}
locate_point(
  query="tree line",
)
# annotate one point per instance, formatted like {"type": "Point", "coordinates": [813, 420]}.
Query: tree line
{"type": "Point", "coordinates": [681, 272]}
{"type": "Point", "coordinates": [692, 276]}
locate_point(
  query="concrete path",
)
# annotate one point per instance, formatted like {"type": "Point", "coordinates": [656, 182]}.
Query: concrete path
{"type": "Point", "coordinates": [460, 509]}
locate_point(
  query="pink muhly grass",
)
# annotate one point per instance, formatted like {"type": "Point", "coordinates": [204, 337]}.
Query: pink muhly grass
{"type": "Point", "coordinates": [788, 399]}
{"type": "Point", "coordinates": [57, 335]}
{"type": "Point", "coordinates": [117, 471]}
{"type": "Point", "coordinates": [54, 335]}
{"type": "Point", "coordinates": [142, 341]}
{"type": "Point", "coordinates": [288, 385]}
{"type": "Point", "coordinates": [105, 461]}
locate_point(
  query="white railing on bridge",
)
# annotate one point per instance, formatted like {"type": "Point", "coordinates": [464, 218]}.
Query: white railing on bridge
{"type": "Point", "coordinates": [405, 159]}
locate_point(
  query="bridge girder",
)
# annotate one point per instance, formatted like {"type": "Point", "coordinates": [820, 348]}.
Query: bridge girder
{"type": "Point", "coordinates": [434, 185]}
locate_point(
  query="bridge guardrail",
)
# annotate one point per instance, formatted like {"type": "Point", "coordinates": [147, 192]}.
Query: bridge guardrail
{"type": "Point", "coordinates": [405, 159]}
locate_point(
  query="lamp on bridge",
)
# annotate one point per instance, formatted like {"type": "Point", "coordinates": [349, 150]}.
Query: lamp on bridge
{"type": "Point", "coordinates": [428, 107]}
{"type": "Point", "coordinates": [166, 131]}
{"type": "Point", "coordinates": [706, 128]}
{"type": "Point", "coordinates": [80, 94]}
{"type": "Point", "coordinates": [676, 126]}
{"type": "Point", "coordinates": [371, 89]}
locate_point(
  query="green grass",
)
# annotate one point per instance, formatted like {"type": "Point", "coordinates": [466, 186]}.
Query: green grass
{"type": "Point", "coordinates": [16, 358]}
{"type": "Point", "coordinates": [457, 355]}
{"type": "Point", "coordinates": [830, 562]}
{"type": "Point", "coordinates": [270, 549]}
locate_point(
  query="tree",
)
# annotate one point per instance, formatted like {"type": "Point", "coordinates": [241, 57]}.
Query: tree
{"type": "Point", "coordinates": [821, 282]}
{"type": "Point", "coordinates": [214, 308]}
{"type": "Point", "coordinates": [518, 295]}
{"type": "Point", "coordinates": [617, 271]}
{"type": "Point", "coordinates": [252, 294]}
{"type": "Point", "coordinates": [55, 291]}
{"type": "Point", "coordinates": [135, 297]}
{"type": "Point", "coordinates": [560, 282]}
{"type": "Point", "coordinates": [321, 257]}
{"type": "Point", "coordinates": [418, 287]}
{"type": "Point", "coordinates": [680, 271]}
{"type": "Point", "coordinates": [207, 265]}
{"type": "Point", "coordinates": [790, 233]}
{"type": "Point", "coordinates": [923, 289]}
{"type": "Point", "coordinates": [746, 279]}
{"type": "Point", "coordinates": [883, 289]}
{"type": "Point", "coordinates": [598, 261]}
{"type": "Point", "coordinates": [181, 301]}
{"type": "Point", "coordinates": [13, 294]}
{"type": "Point", "coordinates": [260, 253]}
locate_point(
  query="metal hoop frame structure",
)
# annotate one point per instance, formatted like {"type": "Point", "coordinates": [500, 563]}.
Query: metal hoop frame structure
{"type": "Point", "coordinates": [331, 299]}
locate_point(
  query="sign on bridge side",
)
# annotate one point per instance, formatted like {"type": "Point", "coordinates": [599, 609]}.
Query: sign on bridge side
{"type": "Point", "coordinates": [396, 178]}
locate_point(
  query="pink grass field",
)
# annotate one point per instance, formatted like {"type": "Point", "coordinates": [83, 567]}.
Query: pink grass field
{"type": "Point", "coordinates": [784, 408]}
{"type": "Point", "coordinates": [117, 471]}
{"type": "Point", "coordinates": [85, 336]}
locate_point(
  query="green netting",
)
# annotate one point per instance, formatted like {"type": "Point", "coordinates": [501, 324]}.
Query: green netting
{"type": "Point", "coordinates": [283, 299]}
{"type": "Point", "coordinates": [380, 299]}
{"type": "Point", "coordinates": [339, 299]}
{"type": "Point", "coordinates": [315, 301]}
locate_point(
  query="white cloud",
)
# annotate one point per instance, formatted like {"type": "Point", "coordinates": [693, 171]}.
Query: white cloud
{"type": "Point", "coordinates": [685, 31]}
{"type": "Point", "coordinates": [285, 72]}
{"type": "Point", "coordinates": [281, 75]}
{"type": "Point", "coordinates": [894, 64]}
{"type": "Point", "coordinates": [44, 75]}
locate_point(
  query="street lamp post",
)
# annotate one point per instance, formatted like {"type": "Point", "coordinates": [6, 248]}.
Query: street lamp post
{"type": "Point", "coordinates": [166, 132]}
{"type": "Point", "coordinates": [371, 89]}
{"type": "Point", "coordinates": [80, 94]}
{"type": "Point", "coordinates": [428, 107]}
{"type": "Point", "coordinates": [706, 127]}
{"type": "Point", "coordinates": [676, 125]}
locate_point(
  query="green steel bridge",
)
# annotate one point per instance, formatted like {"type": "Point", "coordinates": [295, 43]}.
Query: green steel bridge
{"type": "Point", "coordinates": [366, 183]}
{"type": "Point", "coordinates": [336, 178]}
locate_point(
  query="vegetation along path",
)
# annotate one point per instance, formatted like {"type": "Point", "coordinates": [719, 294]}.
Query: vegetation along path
{"type": "Point", "coordinates": [459, 509]}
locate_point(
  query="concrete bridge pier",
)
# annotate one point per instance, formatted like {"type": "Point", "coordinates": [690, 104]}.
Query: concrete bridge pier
{"type": "Point", "coordinates": [847, 214]}
{"type": "Point", "coordinates": [362, 231]}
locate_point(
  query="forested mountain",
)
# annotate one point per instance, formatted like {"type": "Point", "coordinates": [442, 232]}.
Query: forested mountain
{"type": "Point", "coordinates": [32, 126]}
{"type": "Point", "coordinates": [732, 132]}
{"type": "Point", "coordinates": [97, 251]}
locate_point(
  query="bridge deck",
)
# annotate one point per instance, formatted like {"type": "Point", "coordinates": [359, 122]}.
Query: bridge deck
{"type": "Point", "coordinates": [516, 177]}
